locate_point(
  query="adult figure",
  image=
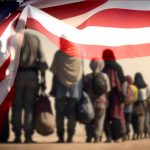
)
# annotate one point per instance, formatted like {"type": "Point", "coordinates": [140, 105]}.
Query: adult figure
{"type": "Point", "coordinates": [115, 122]}
{"type": "Point", "coordinates": [67, 88]}
{"type": "Point", "coordinates": [32, 63]}
{"type": "Point", "coordinates": [128, 107]}
{"type": "Point", "coordinates": [140, 119]}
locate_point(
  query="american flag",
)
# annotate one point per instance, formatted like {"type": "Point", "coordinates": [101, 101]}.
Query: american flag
{"type": "Point", "coordinates": [89, 25]}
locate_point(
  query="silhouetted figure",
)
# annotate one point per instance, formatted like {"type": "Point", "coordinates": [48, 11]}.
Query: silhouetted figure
{"type": "Point", "coordinates": [32, 63]}
{"type": "Point", "coordinates": [94, 129]}
{"type": "Point", "coordinates": [128, 108]}
{"type": "Point", "coordinates": [140, 119]}
{"type": "Point", "coordinates": [115, 122]}
{"type": "Point", "coordinates": [67, 89]}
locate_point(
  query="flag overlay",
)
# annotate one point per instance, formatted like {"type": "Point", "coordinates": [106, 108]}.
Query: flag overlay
{"type": "Point", "coordinates": [90, 26]}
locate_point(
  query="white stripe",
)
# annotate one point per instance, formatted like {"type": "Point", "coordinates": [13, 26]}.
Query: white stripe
{"type": "Point", "coordinates": [7, 83]}
{"type": "Point", "coordinates": [48, 3]}
{"type": "Point", "coordinates": [92, 35]}
{"type": "Point", "coordinates": [4, 54]}
{"type": "Point", "coordinates": [119, 4]}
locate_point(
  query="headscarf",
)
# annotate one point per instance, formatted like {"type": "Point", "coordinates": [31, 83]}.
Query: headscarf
{"type": "Point", "coordinates": [139, 81]}
{"type": "Point", "coordinates": [66, 68]}
{"type": "Point", "coordinates": [110, 62]}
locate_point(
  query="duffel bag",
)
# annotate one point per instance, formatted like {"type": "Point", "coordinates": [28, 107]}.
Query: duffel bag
{"type": "Point", "coordinates": [44, 119]}
{"type": "Point", "coordinates": [85, 110]}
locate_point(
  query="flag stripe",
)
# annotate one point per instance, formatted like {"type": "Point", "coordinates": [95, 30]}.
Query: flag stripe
{"type": "Point", "coordinates": [48, 3]}
{"type": "Point", "coordinates": [5, 106]}
{"type": "Point", "coordinates": [93, 51]}
{"type": "Point", "coordinates": [3, 68]}
{"type": "Point", "coordinates": [6, 22]}
{"type": "Point", "coordinates": [119, 18]}
{"type": "Point", "coordinates": [9, 50]}
{"type": "Point", "coordinates": [75, 9]}
{"type": "Point", "coordinates": [5, 53]}
{"type": "Point", "coordinates": [110, 5]}
{"type": "Point", "coordinates": [91, 35]}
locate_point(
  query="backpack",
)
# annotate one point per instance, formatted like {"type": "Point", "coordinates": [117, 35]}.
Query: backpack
{"type": "Point", "coordinates": [99, 86]}
{"type": "Point", "coordinates": [85, 110]}
{"type": "Point", "coordinates": [129, 98]}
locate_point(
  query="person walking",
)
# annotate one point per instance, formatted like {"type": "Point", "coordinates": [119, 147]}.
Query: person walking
{"type": "Point", "coordinates": [131, 98]}
{"type": "Point", "coordinates": [32, 63]}
{"type": "Point", "coordinates": [67, 89]}
{"type": "Point", "coordinates": [94, 129]}
{"type": "Point", "coordinates": [140, 108]}
{"type": "Point", "coordinates": [115, 121]}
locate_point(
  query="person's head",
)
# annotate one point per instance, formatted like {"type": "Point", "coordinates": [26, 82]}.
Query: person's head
{"type": "Point", "coordinates": [96, 65]}
{"type": "Point", "coordinates": [108, 55]}
{"type": "Point", "coordinates": [128, 79]}
{"type": "Point", "coordinates": [139, 80]}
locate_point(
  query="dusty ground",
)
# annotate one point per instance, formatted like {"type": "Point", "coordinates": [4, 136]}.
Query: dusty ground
{"type": "Point", "coordinates": [48, 143]}
{"type": "Point", "coordinates": [130, 145]}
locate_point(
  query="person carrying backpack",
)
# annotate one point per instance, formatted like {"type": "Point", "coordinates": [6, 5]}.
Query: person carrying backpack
{"type": "Point", "coordinates": [131, 98]}
{"type": "Point", "coordinates": [96, 84]}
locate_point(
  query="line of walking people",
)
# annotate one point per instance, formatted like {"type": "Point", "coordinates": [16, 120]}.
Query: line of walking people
{"type": "Point", "coordinates": [115, 106]}
{"type": "Point", "coordinates": [124, 107]}
{"type": "Point", "coordinates": [117, 102]}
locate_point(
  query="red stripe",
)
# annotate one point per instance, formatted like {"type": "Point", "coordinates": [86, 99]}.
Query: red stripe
{"type": "Point", "coordinates": [5, 23]}
{"type": "Point", "coordinates": [60, 12]}
{"type": "Point", "coordinates": [119, 18]}
{"type": "Point", "coordinates": [73, 9]}
{"type": "Point", "coordinates": [120, 52]}
{"type": "Point", "coordinates": [5, 106]}
{"type": "Point", "coordinates": [92, 51]}
{"type": "Point", "coordinates": [3, 68]}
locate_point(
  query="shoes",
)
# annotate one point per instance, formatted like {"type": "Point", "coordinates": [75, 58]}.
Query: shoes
{"type": "Point", "coordinates": [117, 140]}
{"type": "Point", "coordinates": [17, 140]}
{"type": "Point", "coordinates": [108, 141]}
{"type": "Point", "coordinates": [88, 140]}
{"type": "Point", "coordinates": [60, 141]}
{"type": "Point", "coordinates": [69, 140]}
{"type": "Point", "coordinates": [96, 140]}
{"type": "Point", "coordinates": [3, 141]}
{"type": "Point", "coordinates": [29, 140]}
